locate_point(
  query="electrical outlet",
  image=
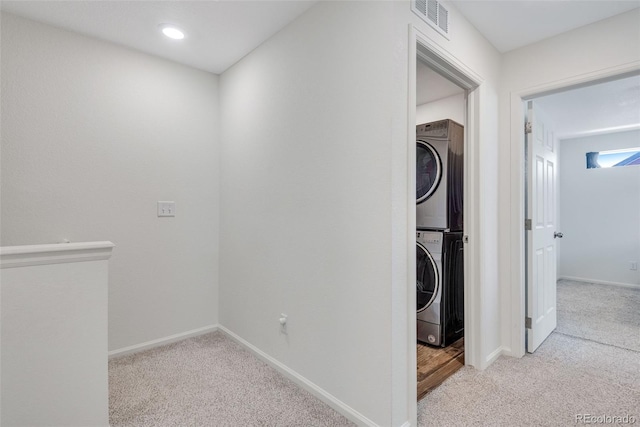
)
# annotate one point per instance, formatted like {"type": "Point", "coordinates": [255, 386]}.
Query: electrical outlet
{"type": "Point", "coordinates": [633, 265]}
{"type": "Point", "coordinates": [166, 208]}
{"type": "Point", "coordinates": [283, 323]}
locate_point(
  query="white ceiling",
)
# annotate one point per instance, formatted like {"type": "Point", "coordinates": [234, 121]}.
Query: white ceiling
{"type": "Point", "coordinates": [431, 86]}
{"type": "Point", "coordinates": [219, 33]}
{"type": "Point", "coordinates": [509, 25]}
{"type": "Point", "coordinates": [600, 108]}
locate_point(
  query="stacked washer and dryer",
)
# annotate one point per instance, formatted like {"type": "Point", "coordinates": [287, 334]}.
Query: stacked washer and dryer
{"type": "Point", "coordinates": [439, 234]}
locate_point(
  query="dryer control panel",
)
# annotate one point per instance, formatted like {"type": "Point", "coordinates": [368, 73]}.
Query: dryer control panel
{"type": "Point", "coordinates": [439, 129]}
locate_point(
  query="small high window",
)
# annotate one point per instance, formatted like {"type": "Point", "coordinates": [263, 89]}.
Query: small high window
{"type": "Point", "coordinates": [614, 158]}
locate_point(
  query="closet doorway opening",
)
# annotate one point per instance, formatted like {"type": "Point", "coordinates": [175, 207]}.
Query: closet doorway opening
{"type": "Point", "coordinates": [460, 106]}
{"type": "Point", "coordinates": [441, 107]}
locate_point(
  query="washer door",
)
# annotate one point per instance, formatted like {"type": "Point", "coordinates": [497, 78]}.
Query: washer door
{"type": "Point", "coordinates": [428, 170]}
{"type": "Point", "coordinates": [427, 278]}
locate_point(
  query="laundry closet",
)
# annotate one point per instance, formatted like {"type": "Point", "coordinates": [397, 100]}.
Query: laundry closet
{"type": "Point", "coordinates": [440, 122]}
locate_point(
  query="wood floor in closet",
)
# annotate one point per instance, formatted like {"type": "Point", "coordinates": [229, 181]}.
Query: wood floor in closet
{"type": "Point", "coordinates": [437, 364]}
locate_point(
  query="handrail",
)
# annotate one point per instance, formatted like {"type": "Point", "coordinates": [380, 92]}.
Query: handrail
{"type": "Point", "coordinates": [21, 256]}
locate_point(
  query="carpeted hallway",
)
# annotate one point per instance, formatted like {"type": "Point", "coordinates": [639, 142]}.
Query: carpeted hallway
{"type": "Point", "coordinates": [208, 380]}
{"type": "Point", "coordinates": [589, 365]}
{"type": "Point", "coordinates": [571, 373]}
{"type": "Point", "coordinates": [565, 377]}
{"type": "Point", "coordinates": [600, 313]}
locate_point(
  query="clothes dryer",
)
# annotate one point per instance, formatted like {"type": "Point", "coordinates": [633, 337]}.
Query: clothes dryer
{"type": "Point", "coordinates": [439, 175]}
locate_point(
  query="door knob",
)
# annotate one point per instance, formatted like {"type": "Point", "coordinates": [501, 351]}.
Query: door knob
{"type": "Point", "coordinates": [557, 235]}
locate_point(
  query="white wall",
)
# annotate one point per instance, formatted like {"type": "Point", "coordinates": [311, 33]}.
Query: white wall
{"type": "Point", "coordinates": [305, 201]}
{"type": "Point", "coordinates": [93, 135]}
{"type": "Point", "coordinates": [605, 46]}
{"type": "Point", "coordinates": [451, 107]}
{"type": "Point", "coordinates": [599, 212]}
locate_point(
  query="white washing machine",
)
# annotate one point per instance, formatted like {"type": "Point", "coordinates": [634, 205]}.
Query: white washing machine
{"type": "Point", "coordinates": [439, 175]}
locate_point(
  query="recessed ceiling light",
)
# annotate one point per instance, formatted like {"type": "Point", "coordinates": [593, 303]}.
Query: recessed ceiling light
{"type": "Point", "coordinates": [172, 32]}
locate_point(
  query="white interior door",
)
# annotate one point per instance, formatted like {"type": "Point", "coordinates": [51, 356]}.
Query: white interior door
{"type": "Point", "coordinates": [541, 194]}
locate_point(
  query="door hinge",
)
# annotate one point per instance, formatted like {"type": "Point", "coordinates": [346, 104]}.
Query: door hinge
{"type": "Point", "coordinates": [527, 224]}
{"type": "Point", "coordinates": [528, 127]}
{"type": "Point", "coordinates": [527, 322]}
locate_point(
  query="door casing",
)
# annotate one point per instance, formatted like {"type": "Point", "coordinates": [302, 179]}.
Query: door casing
{"type": "Point", "coordinates": [517, 262]}
{"type": "Point", "coordinates": [430, 52]}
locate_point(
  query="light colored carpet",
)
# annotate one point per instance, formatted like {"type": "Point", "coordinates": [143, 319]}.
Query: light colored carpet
{"type": "Point", "coordinates": [566, 376]}
{"type": "Point", "coordinates": [208, 380]}
{"type": "Point", "coordinates": [590, 365]}
{"type": "Point", "coordinates": [213, 381]}
{"type": "Point", "coordinates": [606, 314]}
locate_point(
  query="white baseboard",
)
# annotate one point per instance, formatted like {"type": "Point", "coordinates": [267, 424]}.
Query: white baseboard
{"type": "Point", "coordinates": [301, 381]}
{"type": "Point", "coordinates": [599, 282]}
{"type": "Point", "coordinates": [506, 351]}
{"type": "Point", "coordinates": [492, 357]}
{"type": "Point", "coordinates": [162, 341]}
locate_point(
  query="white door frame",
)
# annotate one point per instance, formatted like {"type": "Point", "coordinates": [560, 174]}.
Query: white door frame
{"type": "Point", "coordinates": [516, 262]}
{"type": "Point", "coordinates": [465, 77]}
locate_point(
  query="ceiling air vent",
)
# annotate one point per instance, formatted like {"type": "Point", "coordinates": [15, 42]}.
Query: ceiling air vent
{"type": "Point", "coordinates": [433, 13]}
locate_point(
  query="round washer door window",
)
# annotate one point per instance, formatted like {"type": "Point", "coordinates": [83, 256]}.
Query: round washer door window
{"type": "Point", "coordinates": [428, 170]}
{"type": "Point", "coordinates": [427, 280]}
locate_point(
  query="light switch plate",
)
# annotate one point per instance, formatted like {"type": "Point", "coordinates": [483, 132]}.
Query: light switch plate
{"type": "Point", "coordinates": [166, 208]}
